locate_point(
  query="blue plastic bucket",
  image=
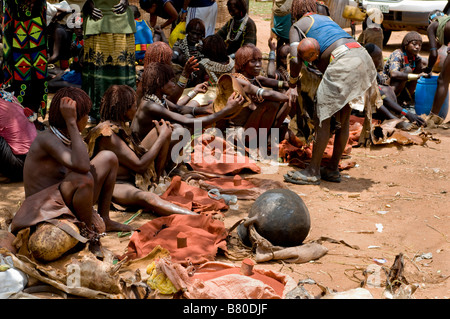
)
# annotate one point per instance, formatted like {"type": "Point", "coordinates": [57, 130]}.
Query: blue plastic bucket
{"type": "Point", "coordinates": [424, 96]}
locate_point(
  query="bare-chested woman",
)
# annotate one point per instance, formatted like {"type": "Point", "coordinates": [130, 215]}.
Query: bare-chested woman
{"type": "Point", "coordinates": [140, 164]}
{"type": "Point", "coordinates": [58, 166]}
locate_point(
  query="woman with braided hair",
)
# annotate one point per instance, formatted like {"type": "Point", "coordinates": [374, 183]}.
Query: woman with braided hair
{"type": "Point", "coordinates": [269, 107]}
{"type": "Point", "coordinates": [72, 182]}
{"type": "Point", "coordinates": [349, 76]}
{"type": "Point", "coordinates": [161, 52]}
{"type": "Point", "coordinates": [140, 163]}
{"type": "Point", "coordinates": [157, 81]}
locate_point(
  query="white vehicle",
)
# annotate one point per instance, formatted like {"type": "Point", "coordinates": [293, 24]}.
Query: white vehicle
{"type": "Point", "coordinates": [404, 15]}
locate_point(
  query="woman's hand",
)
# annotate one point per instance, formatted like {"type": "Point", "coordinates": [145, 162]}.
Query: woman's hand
{"type": "Point", "coordinates": [121, 7]}
{"type": "Point", "coordinates": [414, 118]}
{"type": "Point", "coordinates": [90, 10]}
{"type": "Point", "coordinates": [68, 109]}
{"type": "Point", "coordinates": [191, 66]}
{"type": "Point", "coordinates": [201, 88]}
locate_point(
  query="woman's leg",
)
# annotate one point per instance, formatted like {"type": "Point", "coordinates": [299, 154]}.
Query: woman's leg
{"type": "Point", "coordinates": [129, 195]}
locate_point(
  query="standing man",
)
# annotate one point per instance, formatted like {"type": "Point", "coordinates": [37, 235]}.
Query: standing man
{"type": "Point", "coordinates": [349, 75]}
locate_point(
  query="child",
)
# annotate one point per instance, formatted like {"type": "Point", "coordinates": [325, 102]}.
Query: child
{"type": "Point", "coordinates": [59, 179]}
{"type": "Point", "coordinates": [140, 164]}
{"type": "Point", "coordinates": [143, 36]}
{"type": "Point", "coordinates": [404, 67]}
{"type": "Point", "coordinates": [373, 33]}
{"type": "Point", "coordinates": [277, 66]}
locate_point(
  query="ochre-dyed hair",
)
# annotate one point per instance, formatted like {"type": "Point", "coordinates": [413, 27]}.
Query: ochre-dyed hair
{"type": "Point", "coordinates": [83, 100]}
{"type": "Point", "coordinates": [158, 52]}
{"type": "Point", "coordinates": [245, 54]}
{"type": "Point", "coordinates": [409, 37]}
{"type": "Point", "coordinates": [301, 7]}
{"type": "Point", "coordinates": [116, 101]}
{"type": "Point", "coordinates": [214, 48]}
{"type": "Point", "coordinates": [155, 76]}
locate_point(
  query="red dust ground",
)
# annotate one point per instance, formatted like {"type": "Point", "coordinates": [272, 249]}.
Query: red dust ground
{"type": "Point", "coordinates": [396, 200]}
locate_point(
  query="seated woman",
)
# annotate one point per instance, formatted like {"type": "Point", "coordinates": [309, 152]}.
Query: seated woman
{"type": "Point", "coordinates": [404, 67]}
{"type": "Point", "coordinates": [215, 61]}
{"type": "Point", "coordinates": [157, 81]}
{"type": "Point", "coordinates": [269, 107]}
{"type": "Point", "coordinates": [240, 29]}
{"type": "Point", "coordinates": [161, 52]}
{"type": "Point", "coordinates": [72, 182]}
{"type": "Point", "coordinates": [140, 165]}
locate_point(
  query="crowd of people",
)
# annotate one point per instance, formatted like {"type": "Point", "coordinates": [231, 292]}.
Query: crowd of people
{"type": "Point", "coordinates": [106, 66]}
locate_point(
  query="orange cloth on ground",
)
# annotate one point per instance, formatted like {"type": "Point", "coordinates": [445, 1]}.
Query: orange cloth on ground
{"type": "Point", "coordinates": [212, 154]}
{"type": "Point", "coordinates": [216, 280]}
{"type": "Point", "coordinates": [191, 197]}
{"type": "Point", "coordinates": [205, 236]}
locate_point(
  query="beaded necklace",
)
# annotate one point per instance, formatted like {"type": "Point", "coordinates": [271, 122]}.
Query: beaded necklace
{"type": "Point", "coordinates": [239, 31]}
{"type": "Point", "coordinates": [406, 59]}
{"type": "Point", "coordinates": [184, 46]}
{"type": "Point", "coordinates": [156, 99]}
{"type": "Point", "coordinates": [213, 67]}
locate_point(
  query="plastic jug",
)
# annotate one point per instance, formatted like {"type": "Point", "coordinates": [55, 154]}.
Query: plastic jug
{"type": "Point", "coordinates": [424, 96]}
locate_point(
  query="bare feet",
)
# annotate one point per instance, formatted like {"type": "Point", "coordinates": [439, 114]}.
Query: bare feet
{"type": "Point", "coordinates": [116, 226]}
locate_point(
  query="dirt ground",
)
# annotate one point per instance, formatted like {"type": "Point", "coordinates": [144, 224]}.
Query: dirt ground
{"type": "Point", "coordinates": [396, 200]}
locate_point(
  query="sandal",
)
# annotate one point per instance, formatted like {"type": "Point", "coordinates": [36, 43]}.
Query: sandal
{"type": "Point", "coordinates": [297, 177]}
{"type": "Point", "coordinates": [330, 176]}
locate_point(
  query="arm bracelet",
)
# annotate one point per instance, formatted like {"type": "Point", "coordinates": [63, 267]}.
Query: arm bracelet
{"type": "Point", "coordinates": [412, 77]}
{"type": "Point", "coordinates": [191, 94]}
{"type": "Point", "coordinates": [272, 55]}
{"type": "Point", "coordinates": [182, 81]}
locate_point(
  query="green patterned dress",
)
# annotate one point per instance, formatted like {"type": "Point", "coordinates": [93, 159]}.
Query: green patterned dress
{"type": "Point", "coordinates": [109, 52]}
